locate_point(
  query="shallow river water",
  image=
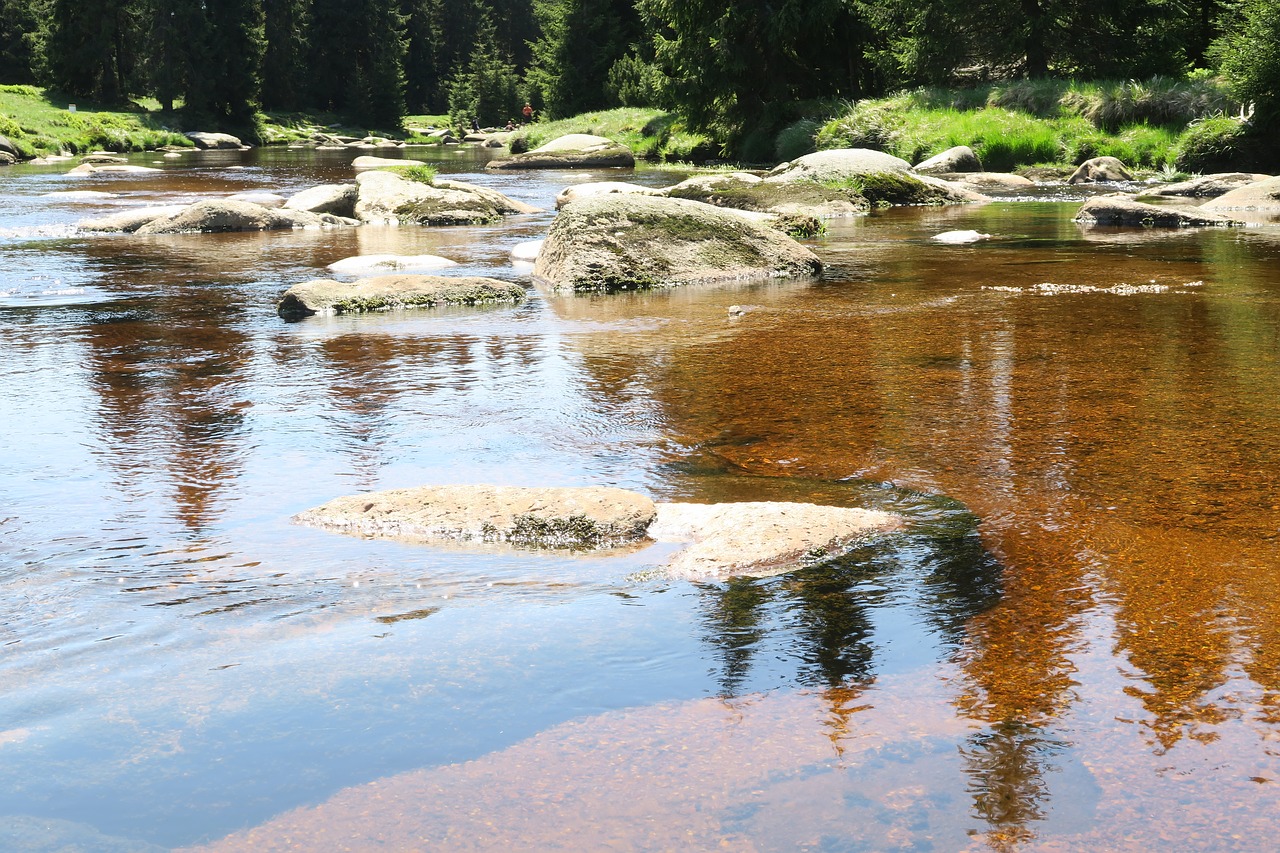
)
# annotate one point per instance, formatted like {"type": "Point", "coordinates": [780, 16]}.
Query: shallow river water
{"type": "Point", "coordinates": [1075, 643]}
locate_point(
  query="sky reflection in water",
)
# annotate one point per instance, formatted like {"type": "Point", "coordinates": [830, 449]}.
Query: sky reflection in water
{"type": "Point", "coordinates": [1074, 646]}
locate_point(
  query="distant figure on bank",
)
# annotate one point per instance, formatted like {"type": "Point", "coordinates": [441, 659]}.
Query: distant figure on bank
{"type": "Point", "coordinates": [475, 125]}
{"type": "Point", "coordinates": [527, 112]}
{"type": "Point", "coordinates": [511, 124]}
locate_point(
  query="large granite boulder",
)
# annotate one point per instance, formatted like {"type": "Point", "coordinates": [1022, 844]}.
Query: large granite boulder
{"type": "Point", "coordinates": [214, 141]}
{"type": "Point", "coordinates": [129, 221]}
{"type": "Point", "coordinates": [838, 164]}
{"type": "Point", "coordinates": [759, 539]}
{"type": "Point", "coordinates": [1100, 170]}
{"type": "Point", "coordinates": [7, 159]}
{"type": "Point", "coordinates": [219, 216]}
{"type": "Point", "coordinates": [104, 158]}
{"type": "Point", "coordinates": [1124, 210]}
{"type": "Point", "coordinates": [388, 292]}
{"type": "Point", "coordinates": [574, 151]}
{"type": "Point", "coordinates": [1260, 196]}
{"type": "Point", "coordinates": [7, 146]}
{"type": "Point", "coordinates": [598, 517]}
{"type": "Point", "coordinates": [880, 178]}
{"type": "Point", "coordinates": [338, 199]}
{"type": "Point", "coordinates": [111, 169]}
{"type": "Point", "coordinates": [745, 191]}
{"type": "Point", "coordinates": [632, 242]}
{"type": "Point", "coordinates": [958, 159]}
{"type": "Point", "coordinates": [1209, 186]}
{"type": "Point", "coordinates": [387, 198]}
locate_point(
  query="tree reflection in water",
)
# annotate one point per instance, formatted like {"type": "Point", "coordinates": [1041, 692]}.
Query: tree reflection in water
{"type": "Point", "coordinates": [827, 614]}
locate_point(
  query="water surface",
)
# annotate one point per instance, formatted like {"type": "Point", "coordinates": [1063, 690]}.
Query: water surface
{"type": "Point", "coordinates": [1073, 644]}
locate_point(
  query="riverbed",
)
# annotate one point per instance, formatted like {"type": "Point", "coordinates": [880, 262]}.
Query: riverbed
{"type": "Point", "coordinates": [1074, 642]}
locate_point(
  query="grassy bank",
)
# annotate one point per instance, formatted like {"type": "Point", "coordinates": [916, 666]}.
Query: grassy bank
{"type": "Point", "coordinates": [38, 121]}
{"type": "Point", "coordinates": [651, 134]}
{"type": "Point", "coordinates": [1161, 124]}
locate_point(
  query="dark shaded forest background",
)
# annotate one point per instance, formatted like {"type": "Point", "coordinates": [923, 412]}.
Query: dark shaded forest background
{"type": "Point", "coordinates": [726, 68]}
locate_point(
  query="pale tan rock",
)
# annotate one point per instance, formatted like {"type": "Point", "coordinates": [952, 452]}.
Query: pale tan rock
{"type": "Point", "coordinates": [573, 151]}
{"type": "Point", "coordinates": [1261, 196]}
{"type": "Point", "coordinates": [760, 539]}
{"type": "Point", "coordinates": [593, 517]}
{"type": "Point", "coordinates": [130, 220]}
{"type": "Point", "coordinates": [581, 191]}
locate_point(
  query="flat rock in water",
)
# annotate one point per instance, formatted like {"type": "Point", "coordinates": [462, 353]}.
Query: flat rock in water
{"type": "Point", "coordinates": [1124, 210]}
{"type": "Point", "coordinates": [837, 165]}
{"type": "Point", "coordinates": [263, 198]}
{"type": "Point", "coordinates": [388, 263]}
{"type": "Point", "coordinates": [632, 242]}
{"type": "Point", "coordinates": [573, 151]}
{"type": "Point", "coordinates": [1261, 196]}
{"type": "Point", "coordinates": [388, 292]}
{"type": "Point", "coordinates": [989, 181]}
{"type": "Point", "coordinates": [594, 517]}
{"type": "Point", "coordinates": [130, 220]}
{"type": "Point", "coordinates": [90, 169]}
{"type": "Point", "coordinates": [1209, 186]}
{"type": "Point", "coordinates": [759, 539]}
{"type": "Point", "coordinates": [221, 216]}
{"type": "Point", "coordinates": [385, 163]}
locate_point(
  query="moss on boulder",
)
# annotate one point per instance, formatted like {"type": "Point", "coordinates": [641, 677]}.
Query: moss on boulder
{"type": "Point", "coordinates": [631, 242]}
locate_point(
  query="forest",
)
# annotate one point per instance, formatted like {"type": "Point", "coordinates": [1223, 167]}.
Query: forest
{"type": "Point", "coordinates": [727, 69]}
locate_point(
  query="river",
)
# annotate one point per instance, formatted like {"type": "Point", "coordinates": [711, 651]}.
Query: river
{"type": "Point", "coordinates": [1074, 643]}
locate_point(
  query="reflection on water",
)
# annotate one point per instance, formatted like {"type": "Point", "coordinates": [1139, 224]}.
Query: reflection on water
{"type": "Point", "coordinates": [1072, 644]}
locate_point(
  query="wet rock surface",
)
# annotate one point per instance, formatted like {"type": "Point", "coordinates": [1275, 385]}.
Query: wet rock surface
{"type": "Point", "coordinates": [390, 292]}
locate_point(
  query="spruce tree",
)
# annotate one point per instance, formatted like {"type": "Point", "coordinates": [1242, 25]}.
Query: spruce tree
{"type": "Point", "coordinates": [284, 61]}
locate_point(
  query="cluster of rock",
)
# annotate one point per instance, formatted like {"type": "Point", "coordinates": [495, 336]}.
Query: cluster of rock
{"type": "Point", "coordinates": [1231, 196]}
{"type": "Point", "coordinates": [755, 539]}
{"type": "Point", "coordinates": [376, 197]}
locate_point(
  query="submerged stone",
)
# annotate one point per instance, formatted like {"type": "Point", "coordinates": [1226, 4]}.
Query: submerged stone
{"type": "Point", "coordinates": [759, 539]}
{"type": "Point", "coordinates": [1124, 210]}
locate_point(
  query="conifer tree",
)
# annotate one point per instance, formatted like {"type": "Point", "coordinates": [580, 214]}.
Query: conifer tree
{"type": "Point", "coordinates": [284, 61]}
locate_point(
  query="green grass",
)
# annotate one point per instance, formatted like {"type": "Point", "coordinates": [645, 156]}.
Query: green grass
{"type": "Point", "coordinates": [651, 134]}
{"type": "Point", "coordinates": [1025, 123]}
{"type": "Point", "coordinates": [38, 121]}
{"type": "Point", "coordinates": [423, 173]}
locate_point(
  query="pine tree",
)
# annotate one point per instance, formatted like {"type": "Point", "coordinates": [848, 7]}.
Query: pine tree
{"type": "Point", "coordinates": [19, 57]}
{"type": "Point", "coordinates": [92, 55]}
{"type": "Point", "coordinates": [176, 49]}
{"type": "Point", "coordinates": [380, 66]}
{"type": "Point", "coordinates": [232, 83]}
{"type": "Point", "coordinates": [284, 61]}
{"type": "Point", "coordinates": [581, 41]}
{"type": "Point", "coordinates": [486, 89]}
